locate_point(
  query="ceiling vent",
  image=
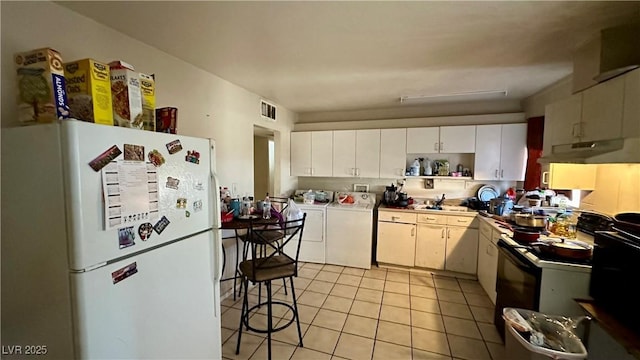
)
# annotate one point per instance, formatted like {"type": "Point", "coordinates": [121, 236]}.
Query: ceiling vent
{"type": "Point", "coordinates": [267, 110]}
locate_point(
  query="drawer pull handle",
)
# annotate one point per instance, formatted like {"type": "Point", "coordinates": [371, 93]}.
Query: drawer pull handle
{"type": "Point", "coordinates": [461, 220]}
{"type": "Point", "coordinates": [442, 236]}
{"type": "Point", "coordinates": [394, 218]}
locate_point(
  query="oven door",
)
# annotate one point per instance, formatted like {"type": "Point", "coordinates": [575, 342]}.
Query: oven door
{"type": "Point", "coordinates": [517, 284]}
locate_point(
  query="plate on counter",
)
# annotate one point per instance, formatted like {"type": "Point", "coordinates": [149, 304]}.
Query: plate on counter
{"type": "Point", "coordinates": [248, 217]}
{"type": "Point", "coordinates": [487, 192]}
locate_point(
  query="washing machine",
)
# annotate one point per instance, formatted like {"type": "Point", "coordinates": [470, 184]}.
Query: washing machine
{"type": "Point", "coordinates": [313, 247]}
{"type": "Point", "coordinates": [350, 229]}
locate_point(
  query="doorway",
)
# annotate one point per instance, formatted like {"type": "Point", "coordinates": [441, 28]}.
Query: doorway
{"type": "Point", "coordinates": [263, 162]}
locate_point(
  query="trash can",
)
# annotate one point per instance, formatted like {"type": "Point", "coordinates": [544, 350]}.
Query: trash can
{"type": "Point", "coordinates": [531, 335]}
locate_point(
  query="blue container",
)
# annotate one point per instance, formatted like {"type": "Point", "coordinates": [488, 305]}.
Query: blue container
{"type": "Point", "coordinates": [235, 206]}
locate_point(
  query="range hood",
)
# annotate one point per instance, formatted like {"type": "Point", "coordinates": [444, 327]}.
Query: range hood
{"type": "Point", "coordinates": [595, 152]}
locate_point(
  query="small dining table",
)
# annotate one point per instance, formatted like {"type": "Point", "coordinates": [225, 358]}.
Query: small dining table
{"type": "Point", "coordinates": [238, 224]}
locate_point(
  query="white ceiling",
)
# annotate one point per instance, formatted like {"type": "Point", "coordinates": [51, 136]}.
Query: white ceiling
{"type": "Point", "coordinates": [335, 56]}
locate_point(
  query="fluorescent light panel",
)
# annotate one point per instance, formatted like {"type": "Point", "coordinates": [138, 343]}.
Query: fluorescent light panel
{"type": "Point", "coordinates": [463, 96]}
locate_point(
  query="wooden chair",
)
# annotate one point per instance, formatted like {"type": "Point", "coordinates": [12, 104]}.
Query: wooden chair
{"type": "Point", "coordinates": [269, 262]}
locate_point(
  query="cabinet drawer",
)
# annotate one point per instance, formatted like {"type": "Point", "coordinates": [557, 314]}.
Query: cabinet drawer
{"type": "Point", "coordinates": [432, 219]}
{"type": "Point", "coordinates": [485, 229]}
{"type": "Point", "coordinates": [395, 216]}
{"type": "Point", "coordinates": [468, 221]}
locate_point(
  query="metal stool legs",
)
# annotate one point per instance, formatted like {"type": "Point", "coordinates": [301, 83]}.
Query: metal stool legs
{"type": "Point", "coordinates": [246, 312]}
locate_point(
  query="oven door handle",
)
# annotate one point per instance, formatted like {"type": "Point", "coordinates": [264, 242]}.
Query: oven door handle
{"type": "Point", "coordinates": [517, 259]}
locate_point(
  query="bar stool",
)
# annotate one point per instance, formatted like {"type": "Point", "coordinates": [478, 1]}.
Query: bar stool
{"type": "Point", "coordinates": [269, 262]}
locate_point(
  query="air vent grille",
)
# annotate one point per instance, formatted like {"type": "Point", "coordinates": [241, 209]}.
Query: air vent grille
{"type": "Point", "coordinates": [267, 110]}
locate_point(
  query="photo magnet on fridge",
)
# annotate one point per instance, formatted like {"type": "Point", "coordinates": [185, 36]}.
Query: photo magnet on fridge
{"type": "Point", "coordinates": [124, 272]}
{"type": "Point", "coordinates": [192, 157]}
{"type": "Point", "coordinates": [126, 237]}
{"type": "Point", "coordinates": [174, 147]}
{"type": "Point", "coordinates": [197, 205]}
{"type": "Point", "coordinates": [133, 152]}
{"type": "Point", "coordinates": [145, 230]}
{"type": "Point", "coordinates": [156, 158]}
{"type": "Point", "coordinates": [172, 183]}
{"type": "Point", "coordinates": [181, 203]}
{"type": "Point", "coordinates": [161, 225]}
{"type": "Point", "coordinates": [105, 158]}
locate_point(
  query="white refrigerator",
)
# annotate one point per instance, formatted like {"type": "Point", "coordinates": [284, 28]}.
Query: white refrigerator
{"type": "Point", "coordinates": [110, 244]}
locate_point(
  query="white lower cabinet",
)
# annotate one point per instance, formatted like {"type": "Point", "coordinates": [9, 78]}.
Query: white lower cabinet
{"type": "Point", "coordinates": [396, 238]}
{"type": "Point", "coordinates": [447, 243]}
{"type": "Point", "coordinates": [431, 246]}
{"type": "Point", "coordinates": [487, 265]}
{"type": "Point", "coordinates": [462, 250]}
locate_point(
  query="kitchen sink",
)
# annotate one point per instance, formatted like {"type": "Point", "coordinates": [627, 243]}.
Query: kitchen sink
{"type": "Point", "coordinates": [442, 207]}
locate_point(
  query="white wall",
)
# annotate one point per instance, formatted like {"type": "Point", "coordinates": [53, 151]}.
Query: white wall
{"type": "Point", "coordinates": [208, 106]}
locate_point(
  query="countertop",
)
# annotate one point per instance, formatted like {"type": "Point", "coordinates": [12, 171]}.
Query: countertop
{"type": "Point", "coordinates": [469, 213]}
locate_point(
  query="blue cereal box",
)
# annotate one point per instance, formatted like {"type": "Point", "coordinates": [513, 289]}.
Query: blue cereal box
{"type": "Point", "coordinates": [42, 96]}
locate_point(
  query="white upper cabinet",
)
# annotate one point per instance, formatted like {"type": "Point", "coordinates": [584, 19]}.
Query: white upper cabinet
{"type": "Point", "coordinates": [423, 140]}
{"type": "Point", "coordinates": [443, 139]}
{"type": "Point", "coordinates": [393, 152]}
{"type": "Point", "coordinates": [458, 139]}
{"type": "Point", "coordinates": [501, 152]}
{"type": "Point", "coordinates": [602, 111]}
{"type": "Point", "coordinates": [368, 153]}
{"type": "Point", "coordinates": [344, 153]}
{"type": "Point", "coordinates": [569, 176]}
{"type": "Point", "coordinates": [311, 153]}
{"type": "Point", "coordinates": [356, 153]}
{"type": "Point", "coordinates": [562, 122]}
{"type": "Point", "coordinates": [301, 153]}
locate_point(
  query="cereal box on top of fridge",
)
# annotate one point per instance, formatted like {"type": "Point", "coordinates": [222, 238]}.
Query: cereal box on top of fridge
{"type": "Point", "coordinates": [42, 97]}
{"type": "Point", "coordinates": [166, 120]}
{"type": "Point", "coordinates": [126, 96]}
{"type": "Point", "coordinates": [89, 91]}
{"type": "Point", "coordinates": [148, 88]}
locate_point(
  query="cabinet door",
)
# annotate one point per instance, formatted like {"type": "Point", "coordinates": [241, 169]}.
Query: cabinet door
{"type": "Point", "coordinates": [462, 250]}
{"type": "Point", "coordinates": [368, 153]}
{"type": "Point", "coordinates": [562, 122]}
{"type": "Point", "coordinates": [393, 152]}
{"type": "Point", "coordinates": [487, 156]}
{"type": "Point", "coordinates": [631, 112]}
{"type": "Point", "coordinates": [396, 243]}
{"type": "Point", "coordinates": [423, 140]}
{"type": "Point", "coordinates": [344, 153]}
{"type": "Point", "coordinates": [458, 139]}
{"type": "Point", "coordinates": [513, 152]}
{"type": "Point", "coordinates": [321, 153]}
{"type": "Point", "coordinates": [487, 266]}
{"type": "Point", "coordinates": [602, 111]}
{"type": "Point", "coordinates": [484, 275]}
{"type": "Point", "coordinates": [300, 153]}
{"type": "Point", "coordinates": [431, 246]}
{"type": "Point", "coordinates": [572, 176]}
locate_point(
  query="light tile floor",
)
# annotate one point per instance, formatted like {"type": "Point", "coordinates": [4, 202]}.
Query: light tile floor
{"type": "Point", "coordinates": [349, 313]}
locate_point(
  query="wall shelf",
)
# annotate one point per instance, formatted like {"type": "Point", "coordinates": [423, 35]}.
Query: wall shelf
{"type": "Point", "coordinates": [440, 177]}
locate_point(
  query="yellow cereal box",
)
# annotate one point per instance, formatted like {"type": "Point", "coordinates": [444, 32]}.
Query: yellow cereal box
{"type": "Point", "coordinates": [148, 89]}
{"type": "Point", "coordinates": [89, 91]}
{"type": "Point", "coordinates": [126, 96]}
{"type": "Point", "coordinates": [42, 97]}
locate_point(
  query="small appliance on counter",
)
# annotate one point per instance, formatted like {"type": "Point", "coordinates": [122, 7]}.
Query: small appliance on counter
{"type": "Point", "coordinates": [390, 195]}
